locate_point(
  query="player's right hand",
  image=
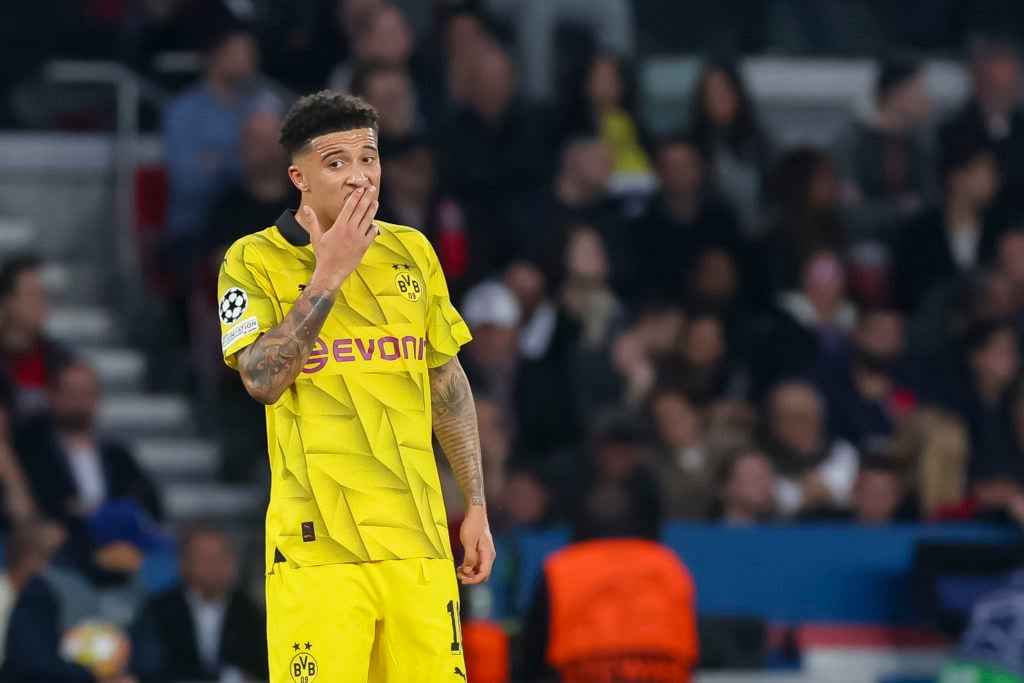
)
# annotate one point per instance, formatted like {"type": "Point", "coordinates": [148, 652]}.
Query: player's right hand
{"type": "Point", "coordinates": [339, 250]}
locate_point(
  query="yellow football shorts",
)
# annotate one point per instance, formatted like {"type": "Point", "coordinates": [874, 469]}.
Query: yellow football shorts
{"type": "Point", "coordinates": [394, 621]}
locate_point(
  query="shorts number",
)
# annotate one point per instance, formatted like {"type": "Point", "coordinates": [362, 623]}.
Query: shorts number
{"type": "Point", "coordinates": [453, 613]}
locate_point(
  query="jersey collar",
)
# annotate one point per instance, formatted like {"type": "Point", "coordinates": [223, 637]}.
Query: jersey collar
{"type": "Point", "coordinates": [295, 234]}
{"type": "Point", "coordinates": [290, 229]}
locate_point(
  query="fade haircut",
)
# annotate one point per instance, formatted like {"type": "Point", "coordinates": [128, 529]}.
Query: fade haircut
{"type": "Point", "coordinates": [321, 113]}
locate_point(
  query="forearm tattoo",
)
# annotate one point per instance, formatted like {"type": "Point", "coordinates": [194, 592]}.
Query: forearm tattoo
{"type": "Point", "coordinates": [271, 364]}
{"type": "Point", "coordinates": [454, 418]}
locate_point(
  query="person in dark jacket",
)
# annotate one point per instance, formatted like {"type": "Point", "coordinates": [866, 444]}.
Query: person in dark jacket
{"type": "Point", "coordinates": [959, 234]}
{"type": "Point", "coordinates": [71, 470]}
{"type": "Point", "coordinates": [994, 114]}
{"type": "Point", "coordinates": [41, 614]}
{"type": "Point", "coordinates": [682, 219]}
{"type": "Point", "coordinates": [204, 627]}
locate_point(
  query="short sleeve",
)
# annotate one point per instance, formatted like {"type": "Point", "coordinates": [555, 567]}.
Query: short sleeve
{"type": "Point", "coordinates": [244, 305]}
{"type": "Point", "coordinates": [447, 332]}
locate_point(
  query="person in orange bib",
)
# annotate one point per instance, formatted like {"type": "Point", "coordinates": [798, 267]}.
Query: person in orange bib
{"type": "Point", "coordinates": [615, 605]}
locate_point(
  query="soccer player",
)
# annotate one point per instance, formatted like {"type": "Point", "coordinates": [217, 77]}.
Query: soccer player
{"type": "Point", "coordinates": [342, 326]}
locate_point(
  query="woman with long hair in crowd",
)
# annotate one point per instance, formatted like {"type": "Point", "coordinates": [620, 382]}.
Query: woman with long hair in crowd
{"type": "Point", "coordinates": [726, 127]}
{"type": "Point", "coordinates": [602, 103]}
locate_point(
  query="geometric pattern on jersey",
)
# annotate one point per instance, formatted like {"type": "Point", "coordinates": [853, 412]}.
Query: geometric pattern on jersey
{"type": "Point", "coordinates": [353, 475]}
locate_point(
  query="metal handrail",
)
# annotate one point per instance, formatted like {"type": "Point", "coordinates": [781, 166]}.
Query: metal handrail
{"type": "Point", "coordinates": [132, 90]}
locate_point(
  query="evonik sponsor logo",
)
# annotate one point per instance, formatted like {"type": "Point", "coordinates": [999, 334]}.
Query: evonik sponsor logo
{"type": "Point", "coordinates": [351, 350]}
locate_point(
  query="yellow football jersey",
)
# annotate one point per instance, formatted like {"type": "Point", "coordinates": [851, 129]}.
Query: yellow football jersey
{"type": "Point", "coordinates": [353, 477]}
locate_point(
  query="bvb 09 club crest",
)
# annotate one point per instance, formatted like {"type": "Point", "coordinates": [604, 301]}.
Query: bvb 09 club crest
{"type": "Point", "coordinates": [303, 667]}
{"type": "Point", "coordinates": [407, 283]}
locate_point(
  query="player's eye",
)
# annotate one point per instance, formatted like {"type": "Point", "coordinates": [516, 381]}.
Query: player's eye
{"type": "Point", "coordinates": [369, 160]}
{"type": "Point", "coordinates": [338, 163]}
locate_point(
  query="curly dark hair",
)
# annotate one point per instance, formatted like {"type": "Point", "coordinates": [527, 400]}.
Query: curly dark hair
{"type": "Point", "coordinates": [324, 112]}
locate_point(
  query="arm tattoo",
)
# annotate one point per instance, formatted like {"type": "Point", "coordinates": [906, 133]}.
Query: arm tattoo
{"type": "Point", "coordinates": [270, 365]}
{"type": "Point", "coordinates": [454, 418]}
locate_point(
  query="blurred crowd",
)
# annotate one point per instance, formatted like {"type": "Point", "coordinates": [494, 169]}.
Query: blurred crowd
{"type": "Point", "coordinates": [726, 328]}
{"type": "Point", "coordinates": [708, 323]}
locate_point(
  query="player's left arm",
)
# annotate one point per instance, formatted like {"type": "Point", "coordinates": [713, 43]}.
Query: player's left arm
{"type": "Point", "coordinates": [454, 421]}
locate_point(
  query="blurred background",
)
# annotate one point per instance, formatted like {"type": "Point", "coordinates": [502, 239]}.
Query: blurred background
{"type": "Point", "coordinates": [744, 276]}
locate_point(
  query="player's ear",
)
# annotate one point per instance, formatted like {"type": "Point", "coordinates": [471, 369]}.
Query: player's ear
{"type": "Point", "coordinates": [298, 179]}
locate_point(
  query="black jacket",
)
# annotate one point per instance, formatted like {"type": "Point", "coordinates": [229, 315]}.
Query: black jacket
{"type": "Point", "coordinates": [33, 640]}
{"type": "Point", "coordinates": [45, 463]}
{"type": "Point", "coordinates": [924, 256]}
{"type": "Point", "coordinates": [166, 648]}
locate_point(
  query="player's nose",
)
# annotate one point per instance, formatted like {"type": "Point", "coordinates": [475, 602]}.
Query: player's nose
{"type": "Point", "coordinates": [359, 179]}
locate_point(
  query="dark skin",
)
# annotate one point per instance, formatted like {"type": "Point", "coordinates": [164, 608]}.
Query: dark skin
{"type": "Point", "coordinates": [338, 174]}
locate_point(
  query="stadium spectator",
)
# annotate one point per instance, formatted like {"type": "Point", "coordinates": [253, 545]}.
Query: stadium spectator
{"type": "Point", "coordinates": [882, 160]}
{"type": "Point", "coordinates": [538, 222]}
{"type": "Point", "coordinates": [352, 17]}
{"type": "Point", "coordinates": [301, 42]}
{"type": "Point", "coordinates": [72, 471]}
{"type": "Point", "coordinates": [683, 466]}
{"type": "Point", "coordinates": [254, 200]}
{"type": "Point", "coordinates": [586, 297]}
{"type": "Point", "coordinates": [802, 196]}
{"type": "Point", "coordinates": [601, 102]}
{"type": "Point", "coordinates": [586, 624]}
{"type": "Point", "coordinates": [878, 496]}
{"type": "Point", "coordinates": [715, 285]}
{"type": "Point", "coordinates": [702, 365]}
{"type": "Point", "coordinates": [203, 629]}
{"type": "Point", "coordinates": [493, 145]}
{"type": "Point", "coordinates": [380, 34]}
{"type": "Point", "coordinates": [526, 500]}
{"type": "Point", "coordinates": [586, 293]}
{"type": "Point", "coordinates": [805, 326]}
{"type": "Point", "coordinates": [865, 393]}
{"type": "Point", "coordinates": [27, 550]}
{"type": "Point", "coordinates": [980, 389]}
{"type": "Point", "coordinates": [993, 115]}
{"type": "Point", "coordinates": [958, 234]}
{"type": "Point", "coordinates": [545, 403]}
{"type": "Point", "coordinates": [745, 484]}
{"type": "Point", "coordinates": [465, 38]}
{"type": "Point", "coordinates": [682, 218]}
{"type": "Point", "coordinates": [618, 459]}
{"type": "Point", "coordinates": [814, 469]}
{"type": "Point", "coordinates": [47, 606]}
{"type": "Point", "coordinates": [933, 446]}
{"type": "Point", "coordinates": [736, 146]}
{"type": "Point", "coordinates": [415, 196]}
{"type": "Point", "coordinates": [493, 315]}
{"type": "Point", "coordinates": [30, 358]}
{"type": "Point", "coordinates": [536, 24]}
{"type": "Point", "coordinates": [390, 90]}
{"type": "Point", "coordinates": [655, 332]}
{"type": "Point", "coordinates": [202, 127]}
